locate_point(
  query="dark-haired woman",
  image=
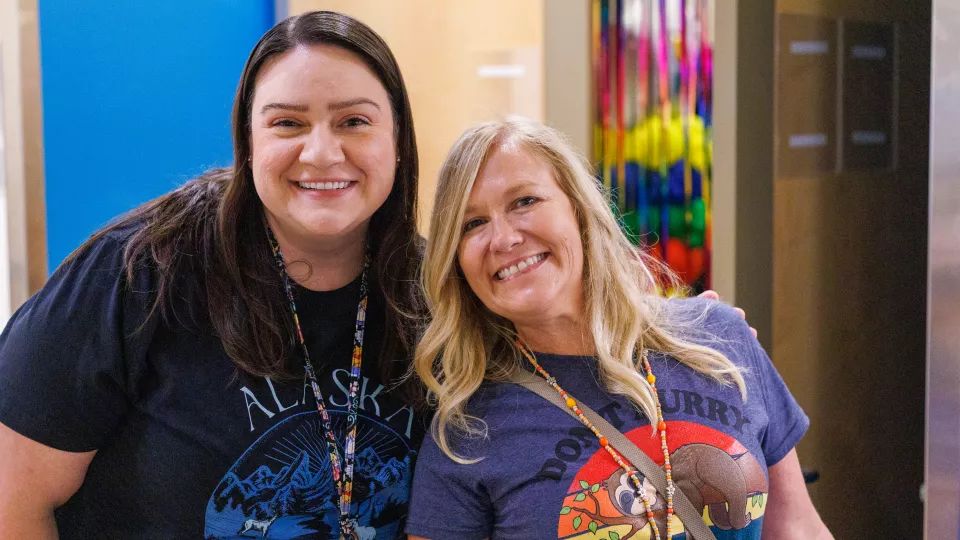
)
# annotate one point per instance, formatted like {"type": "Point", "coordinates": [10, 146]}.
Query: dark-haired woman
{"type": "Point", "coordinates": [224, 360]}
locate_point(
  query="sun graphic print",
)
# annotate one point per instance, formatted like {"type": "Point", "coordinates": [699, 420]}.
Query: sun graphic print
{"type": "Point", "coordinates": [717, 473]}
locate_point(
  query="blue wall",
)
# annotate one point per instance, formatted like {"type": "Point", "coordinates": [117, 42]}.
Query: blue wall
{"type": "Point", "coordinates": [136, 100]}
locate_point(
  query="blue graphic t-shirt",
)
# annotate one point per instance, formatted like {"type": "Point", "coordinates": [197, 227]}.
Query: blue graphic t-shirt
{"type": "Point", "coordinates": [188, 446]}
{"type": "Point", "coordinates": [543, 474]}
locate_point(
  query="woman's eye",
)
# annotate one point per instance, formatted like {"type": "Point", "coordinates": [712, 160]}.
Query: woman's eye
{"type": "Point", "coordinates": [285, 123]}
{"type": "Point", "coordinates": [472, 224]}
{"type": "Point", "coordinates": [356, 121]}
{"type": "Point", "coordinates": [525, 201]}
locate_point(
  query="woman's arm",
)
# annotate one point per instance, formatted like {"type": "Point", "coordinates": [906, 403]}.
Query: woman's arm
{"type": "Point", "coordinates": [34, 480]}
{"type": "Point", "coordinates": [790, 514]}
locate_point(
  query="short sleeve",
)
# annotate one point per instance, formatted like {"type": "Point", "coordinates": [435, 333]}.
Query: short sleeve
{"type": "Point", "coordinates": [448, 499]}
{"type": "Point", "coordinates": [786, 421]}
{"type": "Point", "coordinates": [64, 381]}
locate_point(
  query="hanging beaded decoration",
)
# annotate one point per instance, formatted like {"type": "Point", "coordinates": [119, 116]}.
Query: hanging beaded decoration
{"type": "Point", "coordinates": [623, 462]}
{"type": "Point", "coordinates": [342, 474]}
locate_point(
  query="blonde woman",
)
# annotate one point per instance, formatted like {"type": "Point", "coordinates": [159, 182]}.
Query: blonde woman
{"type": "Point", "coordinates": [526, 271]}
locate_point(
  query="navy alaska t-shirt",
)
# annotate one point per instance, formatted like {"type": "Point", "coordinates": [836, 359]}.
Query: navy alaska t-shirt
{"type": "Point", "coordinates": [187, 446]}
{"type": "Point", "coordinates": [543, 474]}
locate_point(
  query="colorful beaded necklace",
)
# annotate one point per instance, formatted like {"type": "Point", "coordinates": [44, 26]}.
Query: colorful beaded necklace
{"type": "Point", "coordinates": [342, 475]}
{"type": "Point", "coordinates": [623, 462]}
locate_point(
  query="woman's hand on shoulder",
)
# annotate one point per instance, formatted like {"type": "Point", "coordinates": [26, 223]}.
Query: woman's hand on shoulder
{"type": "Point", "coordinates": [712, 295]}
{"type": "Point", "coordinates": [34, 480]}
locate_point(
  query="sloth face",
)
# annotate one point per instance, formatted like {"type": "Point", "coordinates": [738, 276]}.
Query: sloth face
{"type": "Point", "coordinates": [624, 494]}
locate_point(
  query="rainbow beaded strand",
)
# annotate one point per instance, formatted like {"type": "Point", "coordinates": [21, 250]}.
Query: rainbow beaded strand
{"type": "Point", "coordinates": [343, 471]}
{"type": "Point", "coordinates": [623, 462]}
{"type": "Point", "coordinates": [662, 428]}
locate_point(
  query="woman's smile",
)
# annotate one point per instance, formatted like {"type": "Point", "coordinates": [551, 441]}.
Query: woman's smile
{"type": "Point", "coordinates": [520, 267]}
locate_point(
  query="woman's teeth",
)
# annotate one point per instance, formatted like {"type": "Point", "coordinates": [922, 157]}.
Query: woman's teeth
{"type": "Point", "coordinates": [323, 185]}
{"type": "Point", "coordinates": [529, 261]}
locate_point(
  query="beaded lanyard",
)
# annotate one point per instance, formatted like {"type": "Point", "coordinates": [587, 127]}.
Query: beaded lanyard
{"type": "Point", "coordinates": [622, 461]}
{"type": "Point", "coordinates": [342, 477]}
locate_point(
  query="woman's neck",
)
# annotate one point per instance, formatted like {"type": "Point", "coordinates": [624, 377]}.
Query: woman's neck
{"type": "Point", "coordinates": [564, 335]}
{"type": "Point", "coordinates": [326, 264]}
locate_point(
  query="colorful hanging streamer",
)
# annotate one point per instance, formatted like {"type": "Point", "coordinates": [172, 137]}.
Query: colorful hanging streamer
{"type": "Point", "coordinates": [653, 76]}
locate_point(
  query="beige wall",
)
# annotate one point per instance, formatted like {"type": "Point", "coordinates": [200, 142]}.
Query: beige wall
{"type": "Point", "coordinates": [567, 66]}
{"type": "Point", "coordinates": [23, 165]}
{"type": "Point", "coordinates": [723, 262]}
{"type": "Point", "coordinates": [440, 46]}
{"type": "Point", "coordinates": [743, 163]}
{"type": "Point", "coordinates": [13, 146]}
{"type": "Point", "coordinates": [33, 144]}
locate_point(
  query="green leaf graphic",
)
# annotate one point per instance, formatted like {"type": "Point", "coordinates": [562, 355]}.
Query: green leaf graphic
{"type": "Point", "coordinates": [595, 488]}
{"type": "Point", "coordinates": [593, 527]}
{"type": "Point", "coordinates": [577, 521]}
{"type": "Point", "coordinates": [580, 497]}
{"type": "Point", "coordinates": [584, 484]}
{"type": "Point", "coordinates": [614, 535]}
{"type": "Point", "coordinates": [565, 510]}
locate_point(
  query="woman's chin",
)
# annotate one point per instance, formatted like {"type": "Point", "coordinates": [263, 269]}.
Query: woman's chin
{"type": "Point", "coordinates": [331, 226]}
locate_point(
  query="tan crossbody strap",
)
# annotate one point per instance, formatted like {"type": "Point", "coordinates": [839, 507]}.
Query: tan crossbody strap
{"type": "Point", "coordinates": [691, 518]}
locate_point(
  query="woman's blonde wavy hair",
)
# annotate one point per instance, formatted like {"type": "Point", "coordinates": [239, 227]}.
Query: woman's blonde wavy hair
{"type": "Point", "coordinates": [466, 343]}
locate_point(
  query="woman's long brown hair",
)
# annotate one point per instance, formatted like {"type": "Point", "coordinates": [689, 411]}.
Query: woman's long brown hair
{"type": "Point", "coordinates": [205, 241]}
